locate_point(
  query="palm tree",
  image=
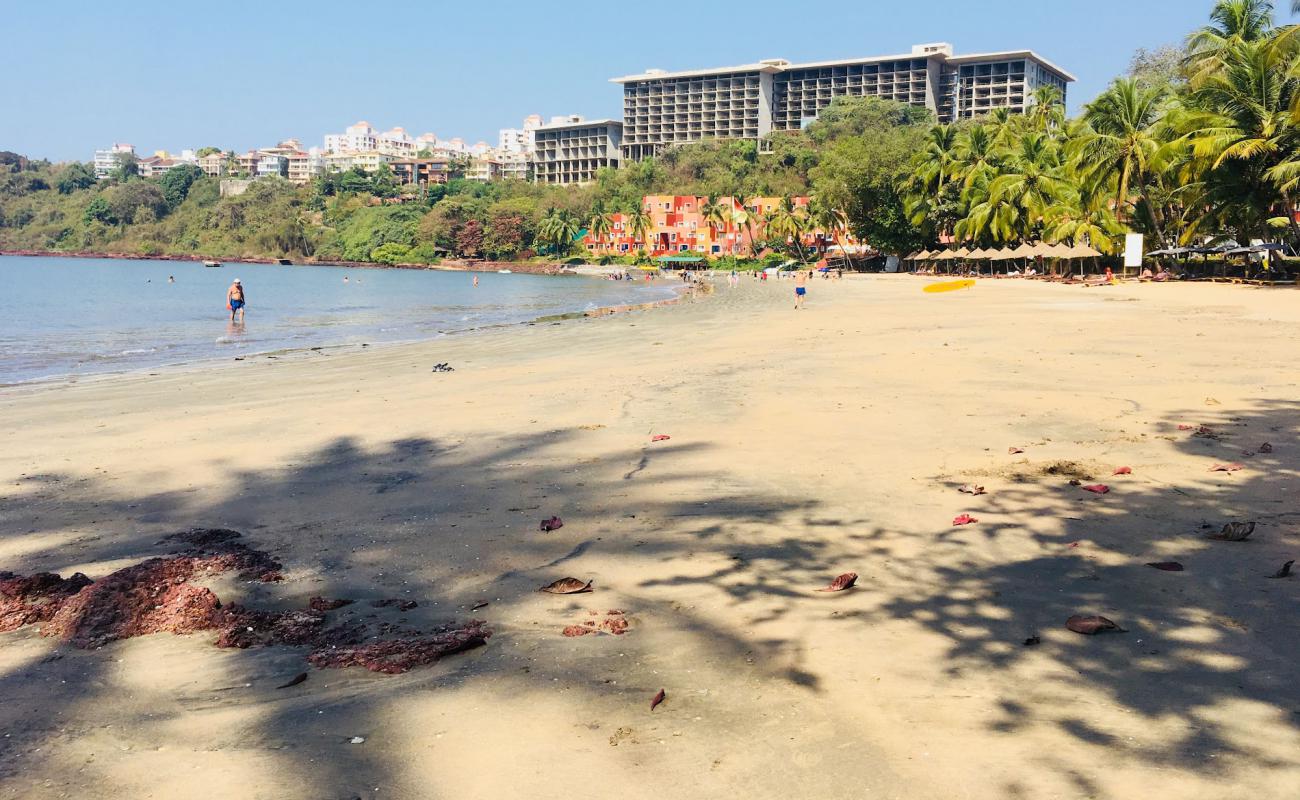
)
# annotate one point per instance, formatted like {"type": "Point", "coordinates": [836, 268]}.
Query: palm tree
{"type": "Point", "coordinates": [746, 218]}
{"type": "Point", "coordinates": [1120, 140]}
{"type": "Point", "coordinates": [977, 154]}
{"type": "Point", "coordinates": [1031, 181]}
{"type": "Point", "coordinates": [827, 218]}
{"type": "Point", "coordinates": [1233, 22]}
{"type": "Point", "coordinates": [559, 229]}
{"type": "Point", "coordinates": [716, 215]}
{"type": "Point", "coordinates": [1242, 134]}
{"type": "Point", "coordinates": [1048, 111]}
{"type": "Point", "coordinates": [599, 224]}
{"type": "Point", "coordinates": [789, 223]}
{"type": "Point", "coordinates": [640, 225]}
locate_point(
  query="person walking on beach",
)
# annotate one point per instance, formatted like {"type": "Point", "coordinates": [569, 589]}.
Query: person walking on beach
{"type": "Point", "coordinates": [235, 300]}
{"type": "Point", "coordinates": [800, 288]}
{"type": "Point", "coordinates": [476, 280]}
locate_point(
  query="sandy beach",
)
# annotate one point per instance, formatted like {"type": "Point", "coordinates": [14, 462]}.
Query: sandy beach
{"type": "Point", "coordinates": [803, 445]}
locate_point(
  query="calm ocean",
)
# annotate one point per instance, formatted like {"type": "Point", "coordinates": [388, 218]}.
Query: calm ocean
{"type": "Point", "coordinates": [80, 316]}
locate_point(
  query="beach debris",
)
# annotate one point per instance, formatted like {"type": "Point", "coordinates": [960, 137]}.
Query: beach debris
{"type": "Point", "coordinates": [1265, 448]}
{"type": "Point", "coordinates": [443, 367]}
{"type": "Point", "coordinates": [479, 604]}
{"type": "Point", "coordinates": [389, 602]}
{"type": "Point", "coordinates": [566, 586]}
{"type": "Point", "coordinates": [1284, 572]}
{"type": "Point", "coordinates": [1092, 625]}
{"type": "Point", "coordinates": [1210, 401]}
{"type": "Point", "coordinates": [552, 524]}
{"type": "Point", "coordinates": [1123, 471]}
{"type": "Point", "coordinates": [970, 488]}
{"type": "Point", "coordinates": [1096, 488]}
{"type": "Point", "coordinates": [842, 583]}
{"type": "Point", "coordinates": [1186, 427]}
{"type": "Point", "coordinates": [660, 437]}
{"type": "Point", "coordinates": [1206, 432]}
{"type": "Point", "coordinates": [657, 699]}
{"type": "Point", "coordinates": [36, 598]}
{"type": "Point", "coordinates": [1073, 545]}
{"type": "Point", "coordinates": [156, 596]}
{"type": "Point", "coordinates": [357, 740]}
{"type": "Point", "coordinates": [1235, 532]}
{"type": "Point", "coordinates": [963, 519]}
{"type": "Point", "coordinates": [1074, 482]}
{"type": "Point", "coordinates": [614, 623]}
{"type": "Point", "coordinates": [396, 656]}
{"type": "Point", "coordinates": [1229, 467]}
{"type": "Point", "coordinates": [1033, 641]}
{"type": "Point", "coordinates": [1166, 566]}
{"type": "Point", "coordinates": [1015, 450]}
{"type": "Point", "coordinates": [327, 604]}
{"type": "Point", "coordinates": [294, 681]}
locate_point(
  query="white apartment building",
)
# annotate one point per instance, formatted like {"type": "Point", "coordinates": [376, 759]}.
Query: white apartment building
{"type": "Point", "coordinates": [396, 142]}
{"type": "Point", "coordinates": [519, 140]}
{"type": "Point", "coordinates": [303, 167]}
{"type": "Point", "coordinates": [515, 166]}
{"type": "Point", "coordinates": [484, 170]}
{"type": "Point", "coordinates": [273, 165]}
{"type": "Point", "coordinates": [108, 160]}
{"type": "Point", "coordinates": [358, 138]}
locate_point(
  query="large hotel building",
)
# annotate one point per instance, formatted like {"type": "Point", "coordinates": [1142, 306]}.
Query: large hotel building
{"type": "Point", "coordinates": [662, 109]}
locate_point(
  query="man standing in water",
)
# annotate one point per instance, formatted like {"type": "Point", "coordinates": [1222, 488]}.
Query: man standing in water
{"type": "Point", "coordinates": [235, 300]}
{"type": "Point", "coordinates": [800, 288]}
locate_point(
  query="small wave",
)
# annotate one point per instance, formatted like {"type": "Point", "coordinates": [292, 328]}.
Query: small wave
{"type": "Point", "coordinates": [139, 351]}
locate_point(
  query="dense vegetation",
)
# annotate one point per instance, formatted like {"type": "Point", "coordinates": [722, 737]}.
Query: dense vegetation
{"type": "Point", "coordinates": [1194, 142]}
{"type": "Point", "coordinates": [856, 151]}
{"type": "Point", "coordinates": [1198, 143]}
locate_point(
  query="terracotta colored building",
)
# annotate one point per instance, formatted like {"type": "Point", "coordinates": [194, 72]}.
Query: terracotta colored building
{"type": "Point", "coordinates": [678, 225]}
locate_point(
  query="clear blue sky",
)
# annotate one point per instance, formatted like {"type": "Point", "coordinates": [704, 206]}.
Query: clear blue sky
{"type": "Point", "coordinates": [171, 75]}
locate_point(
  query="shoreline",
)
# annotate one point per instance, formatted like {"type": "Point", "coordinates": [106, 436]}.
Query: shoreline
{"type": "Point", "coordinates": [801, 445]}
{"type": "Point", "coordinates": [680, 293]}
{"type": "Point", "coordinates": [450, 265]}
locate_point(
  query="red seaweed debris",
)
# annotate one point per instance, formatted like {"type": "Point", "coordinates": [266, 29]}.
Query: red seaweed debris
{"type": "Point", "coordinates": [156, 596]}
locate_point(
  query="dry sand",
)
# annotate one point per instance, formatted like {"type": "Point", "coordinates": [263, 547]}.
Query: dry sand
{"type": "Point", "coordinates": [804, 444]}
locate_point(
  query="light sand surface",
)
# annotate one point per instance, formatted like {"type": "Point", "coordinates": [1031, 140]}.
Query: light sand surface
{"type": "Point", "coordinates": [804, 444]}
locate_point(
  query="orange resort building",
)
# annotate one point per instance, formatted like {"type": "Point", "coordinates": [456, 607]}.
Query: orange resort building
{"type": "Point", "coordinates": [678, 225]}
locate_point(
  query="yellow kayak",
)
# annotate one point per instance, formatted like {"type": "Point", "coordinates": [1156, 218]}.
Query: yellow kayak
{"type": "Point", "coordinates": [950, 286]}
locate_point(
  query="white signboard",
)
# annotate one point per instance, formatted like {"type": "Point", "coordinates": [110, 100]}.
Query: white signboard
{"type": "Point", "coordinates": [1133, 250]}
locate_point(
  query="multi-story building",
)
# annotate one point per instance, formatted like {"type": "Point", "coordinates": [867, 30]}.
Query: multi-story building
{"type": "Point", "coordinates": [360, 137]}
{"type": "Point", "coordinates": [483, 169]}
{"type": "Point", "coordinates": [108, 160]}
{"type": "Point", "coordinates": [396, 142]}
{"type": "Point", "coordinates": [246, 163]}
{"type": "Point", "coordinates": [662, 109]}
{"type": "Point", "coordinates": [272, 165]}
{"type": "Point", "coordinates": [573, 150]}
{"type": "Point", "coordinates": [519, 140]}
{"type": "Point", "coordinates": [302, 167]}
{"type": "Point", "coordinates": [213, 164]}
{"type": "Point", "coordinates": [419, 171]}
{"type": "Point", "coordinates": [678, 224]}
{"type": "Point", "coordinates": [515, 166]}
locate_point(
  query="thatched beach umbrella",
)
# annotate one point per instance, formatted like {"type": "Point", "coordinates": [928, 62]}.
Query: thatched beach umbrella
{"type": "Point", "coordinates": [1001, 255]}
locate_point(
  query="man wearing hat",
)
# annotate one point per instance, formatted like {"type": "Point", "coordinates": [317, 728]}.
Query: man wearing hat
{"type": "Point", "coordinates": [235, 300]}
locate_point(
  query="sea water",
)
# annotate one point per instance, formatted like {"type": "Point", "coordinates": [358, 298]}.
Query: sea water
{"type": "Point", "coordinates": [80, 316]}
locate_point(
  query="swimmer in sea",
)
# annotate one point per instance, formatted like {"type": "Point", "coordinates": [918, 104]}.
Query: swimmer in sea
{"type": "Point", "coordinates": [235, 300]}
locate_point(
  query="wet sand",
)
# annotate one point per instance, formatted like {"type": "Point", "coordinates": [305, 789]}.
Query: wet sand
{"type": "Point", "coordinates": [803, 445]}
